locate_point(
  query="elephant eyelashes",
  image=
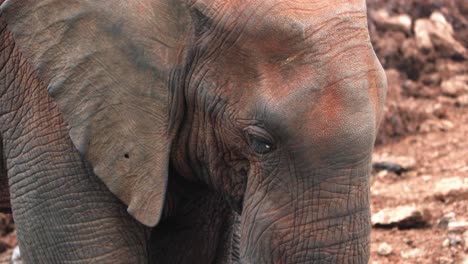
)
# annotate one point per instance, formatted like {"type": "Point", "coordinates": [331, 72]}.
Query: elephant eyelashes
{"type": "Point", "coordinates": [259, 141]}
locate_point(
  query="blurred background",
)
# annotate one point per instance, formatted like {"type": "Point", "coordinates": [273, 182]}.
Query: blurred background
{"type": "Point", "coordinates": [419, 184]}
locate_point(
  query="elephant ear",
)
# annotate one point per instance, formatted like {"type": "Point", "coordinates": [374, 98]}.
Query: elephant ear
{"type": "Point", "coordinates": [106, 65]}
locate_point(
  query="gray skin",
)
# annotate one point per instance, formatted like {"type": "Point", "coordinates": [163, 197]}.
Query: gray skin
{"type": "Point", "coordinates": [189, 131]}
{"type": "Point", "coordinates": [4, 193]}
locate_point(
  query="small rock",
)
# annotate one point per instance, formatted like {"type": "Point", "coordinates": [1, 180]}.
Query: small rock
{"type": "Point", "coordinates": [445, 260]}
{"type": "Point", "coordinates": [408, 241]}
{"type": "Point", "coordinates": [446, 125]}
{"type": "Point", "coordinates": [455, 86]}
{"type": "Point", "coordinates": [457, 226]}
{"type": "Point", "coordinates": [406, 216]}
{"type": "Point", "coordinates": [440, 111]}
{"type": "Point", "coordinates": [462, 101]}
{"type": "Point", "coordinates": [384, 249]}
{"type": "Point", "coordinates": [387, 166]}
{"type": "Point", "coordinates": [426, 178]}
{"type": "Point", "coordinates": [453, 240]}
{"type": "Point", "coordinates": [422, 29]}
{"type": "Point", "coordinates": [16, 256]}
{"type": "Point", "coordinates": [432, 125]}
{"type": "Point", "coordinates": [382, 174]}
{"type": "Point", "coordinates": [410, 87]}
{"type": "Point", "coordinates": [412, 253]}
{"type": "Point", "coordinates": [448, 68]}
{"type": "Point", "coordinates": [446, 243]}
{"type": "Point", "coordinates": [437, 32]}
{"type": "Point", "coordinates": [445, 100]}
{"type": "Point", "coordinates": [395, 164]}
{"type": "Point", "coordinates": [399, 22]}
{"type": "Point", "coordinates": [445, 220]}
{"type": "Point", "coordinates": [433, 79]}
{"type": "Point", "coordinates": [451, 187]}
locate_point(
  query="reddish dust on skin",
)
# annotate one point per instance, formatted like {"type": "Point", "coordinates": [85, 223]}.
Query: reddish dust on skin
{"type": "Point", "coordinates": [278, 82]}
{"type": "Point", "coordinates": [141, 8]}
{"type": "Point", "coordinates": [330, 105]}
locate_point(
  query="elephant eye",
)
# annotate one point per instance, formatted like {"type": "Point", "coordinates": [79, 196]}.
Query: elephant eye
{"type": "Point", "coordinates": [259, 142]}
{"type": "Point", "coordinates": [260, 146]}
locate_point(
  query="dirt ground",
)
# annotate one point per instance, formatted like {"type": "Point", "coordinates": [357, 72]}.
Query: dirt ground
{"type": "Point", "coordinates": [421, 156]}
{"type": "Point", "coordinates": [426, 127]}
{"type": "Point", "coordinates": [438, 155]}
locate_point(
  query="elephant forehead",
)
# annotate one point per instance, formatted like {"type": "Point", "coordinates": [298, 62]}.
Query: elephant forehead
{"type": "Point", "coordinates": [283, 19]}
{"type": "Point", "coordinates": [287, 33]}
{"type": "Point", "coordinates": [295, 8]}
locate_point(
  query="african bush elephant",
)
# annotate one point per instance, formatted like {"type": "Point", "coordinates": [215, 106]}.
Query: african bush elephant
{"type": "Point", "coordinates": [189, 131]}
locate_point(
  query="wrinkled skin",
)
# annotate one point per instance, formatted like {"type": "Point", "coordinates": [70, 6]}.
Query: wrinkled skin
{"type": "Point", "coordinates": [4, 193]}
{"type": "Point", "coordinates": [273, 108]}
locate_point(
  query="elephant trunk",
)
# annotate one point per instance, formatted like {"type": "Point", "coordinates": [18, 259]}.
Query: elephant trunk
{"type": "Point", "coordinates": [319, 217]}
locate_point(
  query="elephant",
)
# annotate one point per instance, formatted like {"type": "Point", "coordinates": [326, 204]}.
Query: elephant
{"type": "Point", "coordinates": [189, 131]}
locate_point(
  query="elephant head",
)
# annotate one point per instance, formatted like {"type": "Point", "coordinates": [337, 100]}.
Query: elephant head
{"type": "Point", "coordinates": [273, 103]}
